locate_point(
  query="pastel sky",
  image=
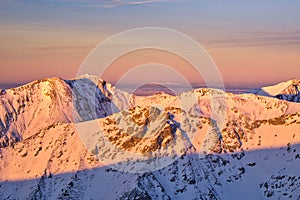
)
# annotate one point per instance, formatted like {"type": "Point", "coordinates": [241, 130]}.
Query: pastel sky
{"type": "Point", "coordinates": [252, 42]}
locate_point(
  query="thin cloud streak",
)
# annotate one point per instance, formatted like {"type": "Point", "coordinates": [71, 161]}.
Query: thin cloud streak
{"type": "Point", "coordinates": [118, 3]}
{"type": "Point", "coordinates": [103, 3]}
{"type": "Point", "coordinates": [56, 48]}
{"type": "Point", "coordinates": [258, 39]}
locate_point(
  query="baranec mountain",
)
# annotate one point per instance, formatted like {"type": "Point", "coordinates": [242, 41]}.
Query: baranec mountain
{"type": "Point", "coordinates": [75, 139]}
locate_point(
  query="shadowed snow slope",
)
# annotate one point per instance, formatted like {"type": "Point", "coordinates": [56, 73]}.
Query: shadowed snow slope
{"type": "Point", "coordinates": [78, 139]}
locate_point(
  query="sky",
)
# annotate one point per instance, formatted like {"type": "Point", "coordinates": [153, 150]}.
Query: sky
{"type": "Point", "coordinates": [252, 42]}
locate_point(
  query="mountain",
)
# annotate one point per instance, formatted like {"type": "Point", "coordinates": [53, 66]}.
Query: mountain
{"type": "Point", "coordinates": [201, 144]}
{"type": "Point", "coordinates": [153, 88]}
{"type": "Point", "coordinates": [52, 101]}
{"type": "Point", "coordinates": [289, 90]}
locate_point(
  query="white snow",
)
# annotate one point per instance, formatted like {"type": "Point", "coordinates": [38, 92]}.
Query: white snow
{"type": "Point", "coordinates": [277, 89]}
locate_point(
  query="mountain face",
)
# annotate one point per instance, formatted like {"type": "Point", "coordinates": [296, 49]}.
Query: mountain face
{"type": "Point", "coordinates": [52, 101]}
{"type": "Point", "coordinates": [289, 91]}
{"type": "Point", "coordinates": [77, 140]}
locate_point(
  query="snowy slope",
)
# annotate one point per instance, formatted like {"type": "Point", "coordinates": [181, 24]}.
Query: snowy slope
{"type": "Point", "coordinates": [289, 90]}
{"type": "Point", "coordinates": [64, 169]}
{"type": "Point", "coordinates": [54, 100]}
{"type": "Point", "coordinates": [155, 147]}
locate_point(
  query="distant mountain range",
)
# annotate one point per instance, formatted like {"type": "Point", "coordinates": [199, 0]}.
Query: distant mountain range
{"type": "Point", "coordinates": [83, 139]}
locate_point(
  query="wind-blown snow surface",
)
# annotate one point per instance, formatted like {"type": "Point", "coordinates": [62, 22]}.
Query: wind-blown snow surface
{"type": "Point", "coordinates": [73, 140]}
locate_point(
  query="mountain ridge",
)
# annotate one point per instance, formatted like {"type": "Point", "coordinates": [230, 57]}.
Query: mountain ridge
{"type": "Point", "coordinates": [115, 145]}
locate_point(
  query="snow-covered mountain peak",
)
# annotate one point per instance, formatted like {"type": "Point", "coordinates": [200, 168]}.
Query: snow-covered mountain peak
{"type": "Point", "coordinates": [54, 100]}
{"type": "Point", "coordinates": [289, 90]}
{"type": "Point", "coordinates": [290, 87]}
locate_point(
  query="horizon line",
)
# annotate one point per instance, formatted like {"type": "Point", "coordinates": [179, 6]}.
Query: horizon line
{"type": "Point", "coordinates": [227, 85]}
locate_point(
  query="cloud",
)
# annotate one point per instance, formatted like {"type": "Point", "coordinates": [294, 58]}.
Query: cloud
{"type": "Point", "coordinates": [102, 3]}
{"type": "Point", "coordinates": [69, 48]}
{"type": "Point", "coordinates": [258, 39]}
{"type": "Point", "coordinates": [118, 3]}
